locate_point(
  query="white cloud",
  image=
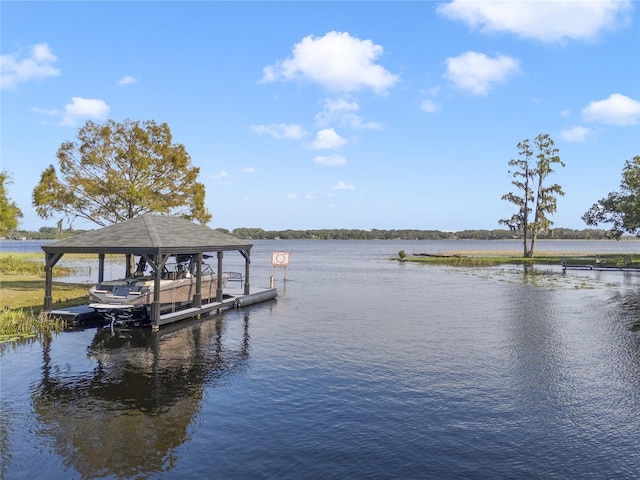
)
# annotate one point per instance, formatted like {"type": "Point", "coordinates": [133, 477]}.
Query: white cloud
{"type": "Point", "coordinates": [616, 110]}
{"type": "Point", "coordinates": [356, 121]}
{"type": "Point", "coordinates": [334, 109]}
{"type": "Point", "coordinates": [340, 111]}
{"type": "Point", "coordinates": [222, 178]}
{"type": "Point", "coordinates": [84, 108]}
{"type": "Point", "coordinates": [547, 21]}
{"type": "Point", "coordinates": [332, 160]}
{"type": "Point", "coordinates": [38, 65]}
{"type": "Point", "coordinates": [337, 61]}
{"type": "Point", "coordinates": [127, 80]}
{"type": "Point", "coordinates": [46, 113]}
{"type": "Point", "coordinates": [433, 91]}
{"type": "Point", "coordinates": [343, 186]}
{"type": "Point", "coordinates": [340, 105]}
{"type": "Point", "coordinates": [477, 73]}
{"type": "Point", "coordinates": [575, 134]}
{"type": "Point", "coordinates": [292, 196]}
{"type": "Point", "coordinates": [249, 170]}
{"type": "Point", "coordinates": [280, 131]}
{"type": "Point", "coordinates": [429, 106]}
{"type": "Point", "coordinates": [327, 139]}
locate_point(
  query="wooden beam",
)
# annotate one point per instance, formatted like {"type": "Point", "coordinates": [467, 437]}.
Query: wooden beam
{"type": "Point", "coordinates": [50, 261]}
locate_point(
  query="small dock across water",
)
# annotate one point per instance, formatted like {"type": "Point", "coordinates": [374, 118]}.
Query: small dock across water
{"type": "Point", "coordinates": [601, 267]}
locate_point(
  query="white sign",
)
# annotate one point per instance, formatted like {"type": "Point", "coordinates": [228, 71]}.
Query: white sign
{"type": "Point", "coordinates": [280, 259]}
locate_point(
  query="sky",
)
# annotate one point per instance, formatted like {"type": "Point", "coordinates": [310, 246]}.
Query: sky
{"type": "Point", "coordinates": [330, 114]}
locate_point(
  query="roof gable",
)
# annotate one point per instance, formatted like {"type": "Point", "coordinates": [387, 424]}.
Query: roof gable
{"type": "Point", "coordinates": [151, 234]}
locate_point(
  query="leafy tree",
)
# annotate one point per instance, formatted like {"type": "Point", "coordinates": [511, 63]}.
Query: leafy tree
{"type": "Point", "coordinates": [621, 209]}
{"type": "Point", "coordinates": [9, 211]}
{"type": "Point", "coordinates": [532, 195]}
{"type": "Point", "coordinates": [117, 171]}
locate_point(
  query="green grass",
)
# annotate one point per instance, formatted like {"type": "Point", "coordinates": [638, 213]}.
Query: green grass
{"type": "Point", "coordinates": [27, 291]}
{"type": "Point", "coordinates": [14, 264]}
{"type": "Point", "coordinates": [22, 300]}
{"type": "Point", "coordinates": [23, 284]}
{"type": "Point", "coordinates": [27, 264]}
{"type": "Point", "coordinates": [22, 287]}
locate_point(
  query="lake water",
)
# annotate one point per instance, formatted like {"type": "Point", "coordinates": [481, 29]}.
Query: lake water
{"type": "Point", "coordinates": [363, 368]}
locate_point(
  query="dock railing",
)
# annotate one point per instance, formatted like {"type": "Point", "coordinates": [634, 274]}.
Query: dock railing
{"type": "Point", "coordinates": [234, 277]}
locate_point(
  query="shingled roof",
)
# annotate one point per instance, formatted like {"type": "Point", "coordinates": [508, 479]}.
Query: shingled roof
{"type": "Point", "coordinates": [150, 234]}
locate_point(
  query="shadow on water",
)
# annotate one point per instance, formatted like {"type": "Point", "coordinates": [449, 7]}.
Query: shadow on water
{"type": "Point", "coordinates": [128, 415]}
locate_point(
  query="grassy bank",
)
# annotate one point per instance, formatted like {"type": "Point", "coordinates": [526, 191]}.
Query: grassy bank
{"type": "Point", "coordinates": [494, 258]}
{"type": "Point", "coordinates": [22, 285]}
{"type": "Point", "coordinates": [22, 301]}
{"type": "Point", "coordinates": [27, 291]}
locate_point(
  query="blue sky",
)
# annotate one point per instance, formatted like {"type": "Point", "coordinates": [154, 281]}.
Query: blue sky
{"type": "Point", "coordinates": [327, 114]}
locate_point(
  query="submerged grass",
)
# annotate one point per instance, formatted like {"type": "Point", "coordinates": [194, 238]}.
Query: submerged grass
{"type": "Point", "coordinates": [24, 324]}
{"type": "Point", "coordinates": [494, 258]}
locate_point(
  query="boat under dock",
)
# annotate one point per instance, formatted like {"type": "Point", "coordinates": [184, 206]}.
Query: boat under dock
{"type": "Point", "coordinates": [231, 298]}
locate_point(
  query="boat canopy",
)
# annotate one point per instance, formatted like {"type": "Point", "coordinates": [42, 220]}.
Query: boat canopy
{"type": "Point", "coordinates": [154, 237]}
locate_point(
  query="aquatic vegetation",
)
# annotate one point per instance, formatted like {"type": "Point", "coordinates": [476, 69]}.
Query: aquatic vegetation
{"type": "Point", "coordinates": [14, 264]}
{"type": "Point", "coordinates": [458, 261]}
{"type": "Point", "coordinates": [542, 271]}
{"type": "Point", "coordinates": [28, 264]}
{"type": "Point", "coordinates": [490, 259]}
{"type": "Point", "coordinates": [24, 323]}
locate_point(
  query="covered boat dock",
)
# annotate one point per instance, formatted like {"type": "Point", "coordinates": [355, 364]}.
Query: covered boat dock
{"type": "Point", "coordinates": [156, 238]}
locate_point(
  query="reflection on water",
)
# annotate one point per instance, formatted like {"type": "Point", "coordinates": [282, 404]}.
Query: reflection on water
{"type": "Point", "coordinates": [129, 413]}
{"type": "Point", "coordinates": [362, 368]}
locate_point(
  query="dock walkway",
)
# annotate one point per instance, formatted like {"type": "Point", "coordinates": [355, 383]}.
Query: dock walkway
{"type": "Point", "coordinates": [232, 298]}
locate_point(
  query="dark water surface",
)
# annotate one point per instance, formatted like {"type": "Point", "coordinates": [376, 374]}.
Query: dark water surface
{"type": "Point", "coordinates": [362, 368]}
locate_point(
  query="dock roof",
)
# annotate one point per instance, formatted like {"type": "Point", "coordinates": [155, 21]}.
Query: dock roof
{"type": "Point", "coordinates": [151, 235]}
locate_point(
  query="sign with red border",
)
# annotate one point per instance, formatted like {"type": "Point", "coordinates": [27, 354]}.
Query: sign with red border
{"type": "Point", "coordinates": [280, 259]}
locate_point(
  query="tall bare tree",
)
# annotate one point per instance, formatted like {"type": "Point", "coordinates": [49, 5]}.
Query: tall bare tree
{"type": "Point", "coordinates": [523, 178]}
{"type": "Point", "coordinates": [534, 196]}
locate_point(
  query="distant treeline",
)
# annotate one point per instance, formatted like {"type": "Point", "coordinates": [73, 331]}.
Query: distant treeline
{"type": "Point", "coordinates": [52, 233]}
{"type": "Point", "coordinates": [45, 233]}
{"type": "Point", "coordinates": [375, 234]}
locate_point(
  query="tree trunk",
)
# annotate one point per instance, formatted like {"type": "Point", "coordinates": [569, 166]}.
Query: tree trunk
{"type": "Point", "coordinates": [525, 231]}
{"type": "Point", "coordinates": [533, 243]}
